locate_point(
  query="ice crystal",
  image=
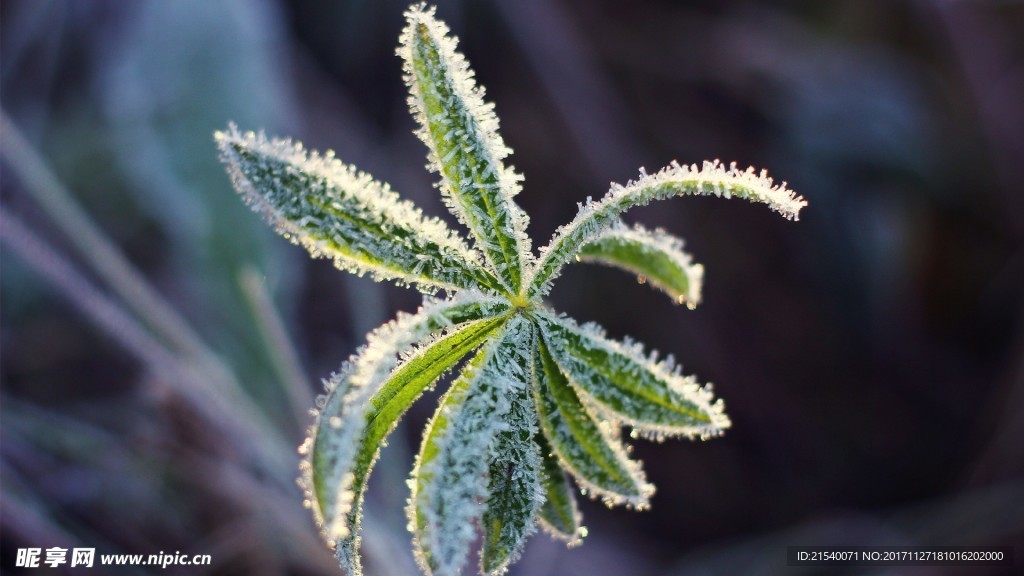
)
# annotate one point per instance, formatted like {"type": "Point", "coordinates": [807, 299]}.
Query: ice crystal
{"type": "Point", "coordinates": [541, 404]}
{"type": "Point", "coordinates": [461, 133]}
{"type": "Point", "coordinates": [655, 257]}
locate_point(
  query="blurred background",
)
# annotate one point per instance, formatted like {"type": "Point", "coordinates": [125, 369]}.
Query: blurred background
{"type": "Point", "coordinates": [161, 345]}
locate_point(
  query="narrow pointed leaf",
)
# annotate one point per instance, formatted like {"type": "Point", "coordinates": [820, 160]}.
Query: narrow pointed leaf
{"type": "Point", "coordinates": [422, 519]}
{"type": "Point", "coordinates": [559, 515]}
{"type": "Point", "coordinates": [449, 482]}
{"type": "Point", "coordinates": [461, 132]}
{"type": "Point", "coordinates": [589, 450]}
{"type": "Point", "coordinates": [650, 395]}
{"type": "Point", "coordinates": [675, 180]}
{"type": "Point", "coordinates": [336, 212]}
{"type": "Point", "coordinates": [401, 390]}
{"type": "Point", "coordinates": [369, 394]}
{"type": "Point", "coordinates": [656, 258]}
{"type": "Point", "coordinates": [514, 487]}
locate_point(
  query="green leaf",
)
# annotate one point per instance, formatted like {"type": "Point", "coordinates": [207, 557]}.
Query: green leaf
{"type": "Point", "coordinates": [369, 394]}
{"type": "Point", "coordinates": [656, 258]}
{"type": "Point", "coordinates": [421, 514]}
{"type": "Point", "coordinates": [461, 133]}
{"type": "Point", "coordinates": [336, 212]}
{"type": "Point", "coordinates": [399, 393]}
{"type": "Point", "coordinates": [650, 395]}
{"type": "Point", "coordinates": [559, 515]}
{"type": "Point", "coordinates": [590, 451]}
{"type": "Point", "coordinates": [449, 482]}
{"type": "Point", "coordinates": [514, 487]}
{"type": "Point", "coordinates": [543, 398]}
{"type": "Point", "coordinates": [675, 180]}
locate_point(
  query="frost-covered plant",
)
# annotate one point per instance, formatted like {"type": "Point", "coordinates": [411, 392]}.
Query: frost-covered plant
{"type": "Point", "coordinates": [541, 400]}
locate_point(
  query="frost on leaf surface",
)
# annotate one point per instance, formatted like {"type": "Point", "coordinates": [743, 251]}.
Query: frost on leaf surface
{"type": "Point", "coordinates": [675, 180]}
{"type": "Point", "coordinates": [559, 515]}
{"type": "Point", "coordinates": [587, 447]}
{"type": "Point", "coordinates": [337, 212]}
{"type": "Point", "coordinates": [461, 133]}
{"type": "Point", "coordinates": [365, 398]}
{"type": "Point", "coordinates": [450, 480]}
{"type": "Point", "coordinates": [538, 408]}
{"type": "Point", "coordinates": [515, 492]}
{"type": "Point", "coordinates": [656, 258]}
{"type": "Point", "coordinates": [404, 386]}
{"type": "Point", "coordinates": [647, 393]}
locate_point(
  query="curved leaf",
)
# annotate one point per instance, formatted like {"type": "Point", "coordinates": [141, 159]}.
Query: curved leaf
{"type": "Point", "coordinates": [590, 451]}
{"type": "Point", "coordinates": [404, 387]}
{"type": "Point", "coordinates": [367, 397]}
{"type": "Point", "coordinates": [656, 258]}
{"type": "Point", "coordinates": [336, 212]}
{"type": "Point", "coordinates": [559, 515]}
{"type": "Point", "coordinates": [461, 132]}
{"type": "Point", "coordinates": [648, 394]}
{"type": "Point", "coordinates": [674, 180]}
{"type": "Point", "coordinates": [449, 482]}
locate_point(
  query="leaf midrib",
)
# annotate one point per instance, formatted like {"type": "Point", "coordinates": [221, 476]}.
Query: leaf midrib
{"type": "Point", "coordinates": [506, 250]}
{"type": "Point", "coordinates": [588, 447]}
{"type": "Point", "coordinates": [602, 368]}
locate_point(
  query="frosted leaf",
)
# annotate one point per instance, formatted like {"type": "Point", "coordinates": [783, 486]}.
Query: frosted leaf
{"type": "Point", "coordinates": [367, 396]}
{"type": "Point", "coordinates": [591, 452]}
{"type": "Point", "coordinates": [543, 398]}
{"type": "Point", "coordinates": [450, 480]}
{"type": "Point", "coordinates": [712, 178]}
{"type": "Point", "coordinates": [649, 394]}
{"type": "Point", "coordinates": [405, 386]}
{"type": "Point", "coordinates": [461, 133]}
{"type": "Point", "coordinates": [337, 212]}
{"type": "Point", "coordinates": [657, 257]}
{"type": "Point", "coordinates": [559, 515]}
{"type": "Point", "coordinates": [514, 487]}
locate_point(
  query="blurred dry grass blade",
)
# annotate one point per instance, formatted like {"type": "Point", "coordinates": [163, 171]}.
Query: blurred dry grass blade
{"type": "Point", "coordinates": [283, 356]}
{"type": "Point", "coordinates": [222, 397]}
{"type": "Point", "coordinates": [192, 384]}
{"type": "Point", "coordinates": [93, 244]}
{"type": "Point", "coordinates": [234, 479]}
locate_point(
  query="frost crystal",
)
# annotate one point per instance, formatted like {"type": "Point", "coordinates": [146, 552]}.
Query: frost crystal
{"type": "Point", "coordinates": [344, 441]}
{"type": "Point", "coordinates": [655, 257]}
{"type": "Point", "coordinates": [461, 132]}
{"type": "Point", "coordinates": [450, 488]}
{"type": "Point", "coordinates": [674, 180]}
{"type": "Point", "coordinates": [541, 404]}
{"type": "Point", "coordinates": [337, 212]}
